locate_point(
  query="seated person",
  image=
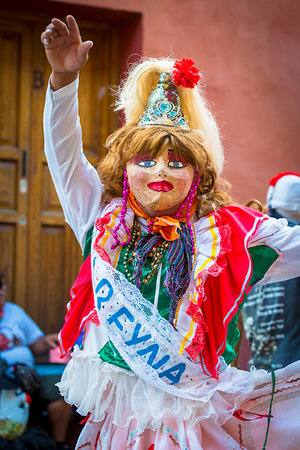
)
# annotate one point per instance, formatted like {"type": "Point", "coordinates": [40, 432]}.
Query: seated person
{"type": "Point", "coordinates": [20, 340]}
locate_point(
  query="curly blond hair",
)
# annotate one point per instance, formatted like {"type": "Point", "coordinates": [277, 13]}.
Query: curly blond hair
{"type": "Point", "coordinates": [131, 140]}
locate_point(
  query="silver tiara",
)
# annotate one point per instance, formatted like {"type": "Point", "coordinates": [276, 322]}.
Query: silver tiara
{"type": "Point", "coordinates": [163, 106]}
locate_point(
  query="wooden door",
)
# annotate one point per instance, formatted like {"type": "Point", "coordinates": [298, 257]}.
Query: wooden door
{"type": "Point", "coordinates": [15, 101]}
{"type": "Point", "coordinates": [42, 254]}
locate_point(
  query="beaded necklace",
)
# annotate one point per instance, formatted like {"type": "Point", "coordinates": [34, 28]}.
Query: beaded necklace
{"type": "Point", "coordinates": [130, 257]}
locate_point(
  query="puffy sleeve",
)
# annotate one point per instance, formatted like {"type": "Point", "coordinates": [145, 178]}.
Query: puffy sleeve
{"type": "Point", "coordinates": [76, 181]}
{"type": "Point", "coordinates": [285, 241]}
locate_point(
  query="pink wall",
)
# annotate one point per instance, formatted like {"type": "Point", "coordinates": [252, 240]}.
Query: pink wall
{"type": "Point", "coordinates": [248, 52]}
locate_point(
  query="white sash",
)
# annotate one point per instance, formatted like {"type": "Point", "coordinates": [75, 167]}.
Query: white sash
{"type": "Point", "coordinates": [146, 341]}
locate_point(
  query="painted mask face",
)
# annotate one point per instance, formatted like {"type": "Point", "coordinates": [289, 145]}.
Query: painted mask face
{"type": "Point", "coordinates": [160, 184]}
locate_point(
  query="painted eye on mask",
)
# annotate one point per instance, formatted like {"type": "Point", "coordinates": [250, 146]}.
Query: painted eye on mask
{"type": "Point", "coordinates": [176, 164]}
{"type": "Point", "coordinates": [146, 163]}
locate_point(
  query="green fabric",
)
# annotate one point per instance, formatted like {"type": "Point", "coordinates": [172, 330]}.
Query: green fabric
{"type": "Point", "coordinates": [110, 354]}
{"type": "Point", "coordinates": [233, 336]}
{"type": "Point", "coordinates": [88, 244]}
{"type": "Point", "coordinates": [262, 258]}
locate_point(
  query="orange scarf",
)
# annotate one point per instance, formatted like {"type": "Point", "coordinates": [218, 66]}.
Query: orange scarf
{"type": "Point", "coordinates": [165, 225]}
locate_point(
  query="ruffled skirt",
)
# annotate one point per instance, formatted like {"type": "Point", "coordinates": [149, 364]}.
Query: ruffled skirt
{"type": "Point", "coordinates": [125, 412]}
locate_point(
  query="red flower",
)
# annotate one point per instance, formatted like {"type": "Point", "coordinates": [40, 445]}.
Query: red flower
{"type": "Point", "coordinates": [185, 73]}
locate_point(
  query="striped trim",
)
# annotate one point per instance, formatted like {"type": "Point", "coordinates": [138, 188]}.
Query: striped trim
{"type": "Point", "coordinates": [111, 225]}
{"type": "Point", "coordinates": [214, 246]}
{"type": "Point", "coordinates": [200, 280]}
{"type": "Point", "coordinates": [187, 337]}
{"type": "Point", "coordinates": [117, 257]}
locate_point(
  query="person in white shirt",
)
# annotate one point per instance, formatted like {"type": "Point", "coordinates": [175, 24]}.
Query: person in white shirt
{"type": "Point", "coordinates": [20, 341]}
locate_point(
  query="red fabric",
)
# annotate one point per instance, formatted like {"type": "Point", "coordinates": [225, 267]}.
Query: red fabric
{"type": "Point", "coordinates": [79, 309]}
{"type": "Point", "coordinates": [100, 225]}
{"type": "Point", "coordinates": [223, 287]}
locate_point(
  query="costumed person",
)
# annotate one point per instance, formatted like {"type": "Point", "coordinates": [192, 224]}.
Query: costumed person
{"type": "Point", "coordinates": [166, 268]}
{"type": "Point", "coordinates": [271, 313]}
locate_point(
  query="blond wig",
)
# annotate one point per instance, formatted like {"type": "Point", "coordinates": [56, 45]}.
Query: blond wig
{"type": "Point", "coordinates": [133, 94]}
{"type": "Point", "coordinates": [131, 140]}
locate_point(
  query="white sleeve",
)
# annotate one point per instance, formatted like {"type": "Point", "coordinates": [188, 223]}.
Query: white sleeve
{"type": "Point", "coordinates": [76, 181]}
{"type": "Point", "coordinates": [285, 241]}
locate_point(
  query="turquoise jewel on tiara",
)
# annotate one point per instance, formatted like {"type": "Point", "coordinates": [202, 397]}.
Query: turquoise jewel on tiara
{"type": "Point", "coordinates": [163, 106]}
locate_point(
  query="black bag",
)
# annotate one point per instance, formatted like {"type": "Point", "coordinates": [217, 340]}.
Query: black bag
{"type": "Point", "coordinates": [19, 375]}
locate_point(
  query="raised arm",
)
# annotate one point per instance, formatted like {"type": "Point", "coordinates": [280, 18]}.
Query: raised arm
{"type": "Point", "coordinates": [65, 51]}
{"type": "Point", "coordinates": [76, 181]}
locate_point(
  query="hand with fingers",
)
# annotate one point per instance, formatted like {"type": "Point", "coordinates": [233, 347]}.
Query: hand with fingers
{"type": "Point", "coordinates": [65, 50]}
